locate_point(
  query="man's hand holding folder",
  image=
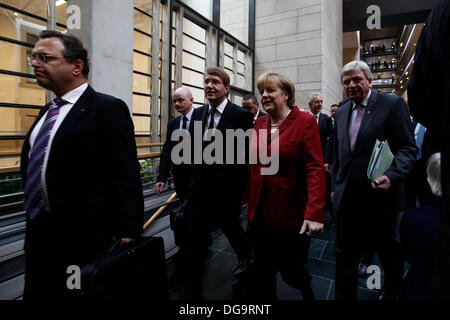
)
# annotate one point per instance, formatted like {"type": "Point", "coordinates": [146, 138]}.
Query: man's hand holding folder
{"type": "Point", "coordinates": [379, 163]}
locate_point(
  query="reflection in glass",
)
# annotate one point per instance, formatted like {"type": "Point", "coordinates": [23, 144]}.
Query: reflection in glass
{"type": "Point", "coordinates": [204, 7]}
{"type": "Point", "coordinates": [234, 18]}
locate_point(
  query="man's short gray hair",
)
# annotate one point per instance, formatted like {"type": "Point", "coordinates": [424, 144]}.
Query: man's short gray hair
{"type": "Point", "coordinates": [355, 64]}
{"type": "Point", "coordinates": [434, 174]}
{"type": "Point", "coordinates": [312, 95]}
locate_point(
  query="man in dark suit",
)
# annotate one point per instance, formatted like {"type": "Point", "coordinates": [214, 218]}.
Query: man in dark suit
{"type": "Point", "coordinates": [325, 124]}
{"type": "Point", "coordinates": [250, 103]}
{"type": "Point", "coordinates": [323, 121]}
{"type": "Point", "coordinates": [366, 211]}
{"type": "Point", "coordinates": [182, 100]}
{"type": "Point", "coordinates": [216, 190]}
{"type": "Point", "coordinates": [430, 81]}
{"type": "Point", "coordinates": [80, 170]}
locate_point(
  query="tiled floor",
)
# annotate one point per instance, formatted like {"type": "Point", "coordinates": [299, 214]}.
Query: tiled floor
{"type": "Point", "coordinates": [321, 265]}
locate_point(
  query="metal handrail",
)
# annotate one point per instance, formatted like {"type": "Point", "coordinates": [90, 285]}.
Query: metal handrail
{"type": "Point", "coordinates": [159, 211]}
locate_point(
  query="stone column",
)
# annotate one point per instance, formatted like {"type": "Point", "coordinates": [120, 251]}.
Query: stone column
{"type": "Point", "coordinates": [106, 29]}
{"type": "Point", "coordinates": [301, 39]}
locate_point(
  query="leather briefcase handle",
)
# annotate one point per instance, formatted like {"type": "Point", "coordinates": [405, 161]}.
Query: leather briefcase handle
{"type": "Point", "coordinates": [158, 212]}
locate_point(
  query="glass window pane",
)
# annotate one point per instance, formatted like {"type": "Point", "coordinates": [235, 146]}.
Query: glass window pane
{"type": "Point", "coordinates": [141, 83]}
{"type": "Point", "coordinates": [197, 94]}
{"type": "Point", "coordinates": [142, 42]}
{"type": "Point", "coordinates": [241, 56]}
{"type": "Point", "coordinates": [228, 62]}
{"type": "Point", "coordinates": [228, 49]}
{"type": "Point", "coordinates": [142, 22]}
{"type": "Point", "coordinates": [37, 7]}
{"type": "Point", "coordinates": [231, 74]}
{"type": "Point", "coordinates": [141, 125]}
{"type": "Point", "coordinates": [20, 90]}
{"type": "Point", "coordinates": [194, 30]}
{"type": "Point", "coordinates": [61, 13]}
{"type": "Point", "coordinates": [204, 7]}
{"type": "Point", "coordinates": [144, 5]}
{"type": "Point", "coordinates": [13, 57]}
{"type": "Point", "coordinates": [19, 26]}
{"type": "Point", "coordinates": [142, 63]}
{"type": "Point", "coordinates": [141, 104]}
{"type": "Point", "coordinates": [193, 62]}
{"type": "Point", "coordinates": [240, 81]}
{"type": "Point", "coordinates": [234, 18]}
{"type": "Point", "coordinates": [193, 46]}
{"type": "Point", "coordinates": [16, 121]}
{"type": "Point", "coordinates": [192, 77]}
{"type": "Point", "coordinates": [241, 68]}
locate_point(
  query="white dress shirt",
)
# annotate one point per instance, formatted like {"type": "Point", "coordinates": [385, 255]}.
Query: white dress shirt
{"type": "Point", "coordinates": [71, 98]}
{"type": "Point", "coordinates": [218, 113]}
{"type": "Point", "coordinates": [188, 116]}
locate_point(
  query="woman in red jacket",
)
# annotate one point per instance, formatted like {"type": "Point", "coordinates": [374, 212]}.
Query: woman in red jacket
{"type": "Point", "coordinates": [284, 208]}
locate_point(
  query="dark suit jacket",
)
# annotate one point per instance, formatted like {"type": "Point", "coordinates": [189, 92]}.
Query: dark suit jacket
{"type": "Point", "coordinates": [225, 182]}
{"type": "Point", "coordinates": [329, 150]}
{"type": "Point", "coordinates": [181, 173]}
{"type": "Point", "coordinates": [325, 125]}
{"type": "Point", "coordinates": [93, 181]}
{"type": "Point", "coordinates": [261, 114]}
{"type": "Point", "coordinates": [385, 118]}
{"type": "Point", "coordinates": [429, 84]}
{"type": "Point", "coordinates": [297, 190]}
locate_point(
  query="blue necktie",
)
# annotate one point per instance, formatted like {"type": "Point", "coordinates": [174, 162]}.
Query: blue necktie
{"type": "Point", "coordinates": [34, 201]}
{"type": "Point", "coordinates": [419, 134]}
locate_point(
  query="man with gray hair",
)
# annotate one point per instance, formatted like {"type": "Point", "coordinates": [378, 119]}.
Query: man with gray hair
{"type": "Point", "coordinates": [366, 210]}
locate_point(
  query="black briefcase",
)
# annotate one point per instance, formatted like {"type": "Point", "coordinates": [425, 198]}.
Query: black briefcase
{"type": "Point", "coordinates": [135, 271]}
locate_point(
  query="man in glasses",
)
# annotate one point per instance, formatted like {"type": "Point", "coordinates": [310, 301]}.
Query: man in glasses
{"type": "Point", "coordinates": [79, 165]}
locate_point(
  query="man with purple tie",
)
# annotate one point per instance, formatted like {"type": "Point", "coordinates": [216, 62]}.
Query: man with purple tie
{"type": "Point", "coordinates": [79, 165]}
{"type": "Point", "coordinates": [365, 210]}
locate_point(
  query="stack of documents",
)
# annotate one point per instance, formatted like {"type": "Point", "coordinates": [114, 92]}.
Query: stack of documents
{"type": "Point", "coordinates": [380, 161]}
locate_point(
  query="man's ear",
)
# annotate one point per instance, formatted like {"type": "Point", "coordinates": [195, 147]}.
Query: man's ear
{"type": "Point", "coordinates": [78, 67]}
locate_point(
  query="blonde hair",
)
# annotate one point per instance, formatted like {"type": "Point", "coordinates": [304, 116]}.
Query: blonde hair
{"type": "Point", "coordinates": [283, 82]}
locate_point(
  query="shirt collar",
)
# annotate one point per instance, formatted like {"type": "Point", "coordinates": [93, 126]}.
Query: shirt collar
{"type": "Point", "coordinates": [364, 102]}
{"type": "Point", "coordinates": [314, 115]}
{"type": "Point", "coordinates": [189, 114]}
{"type": "Point", "coordinates": [75, 94]}
{"type": "Point", "coordinates": [221, 106]}
{"type": "Point", "coordinates": [256, 115]}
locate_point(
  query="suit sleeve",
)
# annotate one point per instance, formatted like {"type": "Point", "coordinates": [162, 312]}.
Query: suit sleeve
{"type": "Point", "coordinates": [125, 181]}
{"type": "Point", "coordinates": [314, 171]}
{"type": "Point", "coordinates": [401, 141]}
{"type": "Point", "coordinates": [330, 145]}
{"type": "Point", "coordinates": [165, 161]}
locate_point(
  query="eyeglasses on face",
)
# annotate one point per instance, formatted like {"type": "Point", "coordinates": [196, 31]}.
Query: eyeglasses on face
{"type": "Point", "coordinates": [41, 57]}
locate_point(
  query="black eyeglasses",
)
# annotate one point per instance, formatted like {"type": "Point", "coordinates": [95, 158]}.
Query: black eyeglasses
{"type": "Point", "coordinates": [41, 57]}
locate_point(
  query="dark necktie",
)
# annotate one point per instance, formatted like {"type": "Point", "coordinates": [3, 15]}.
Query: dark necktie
{"type": "Point", "coordinates": [185, 119]}
{"type": "Point", "coordinates": [356, 126]}
{"type": "Point", "coordinates": [211, 118]}
{"type": "Point", "coordinates": [34, 201]}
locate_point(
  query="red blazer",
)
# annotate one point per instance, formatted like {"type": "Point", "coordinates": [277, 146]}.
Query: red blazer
{"type": "Point", "coordinates": [297, 190]}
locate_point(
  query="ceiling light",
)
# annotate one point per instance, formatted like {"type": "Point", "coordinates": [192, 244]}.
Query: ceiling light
{"type": "Point", "coordinates": [406, 72]}
{"type": "Point", "coordinates": [401, 44]}
{"type": "Point", "coordinates": [60, 2]}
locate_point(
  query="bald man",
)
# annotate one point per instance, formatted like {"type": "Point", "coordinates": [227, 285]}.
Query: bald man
{"type": "Point", "coordinates": [182, 100]}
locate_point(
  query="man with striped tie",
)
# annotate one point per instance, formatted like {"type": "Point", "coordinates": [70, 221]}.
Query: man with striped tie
{"type": "Point", "coordinates": [79, 166]}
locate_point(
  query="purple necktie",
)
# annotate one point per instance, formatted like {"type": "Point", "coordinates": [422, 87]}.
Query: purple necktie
{"type": "Point", "coordinates": [34, 201]}
{"type": "Point", "coordinates": [356, 126]}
